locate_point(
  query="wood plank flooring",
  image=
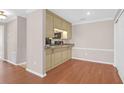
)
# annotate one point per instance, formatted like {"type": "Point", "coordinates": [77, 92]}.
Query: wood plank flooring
{"type": "Point", "coordinates": [71, 72]}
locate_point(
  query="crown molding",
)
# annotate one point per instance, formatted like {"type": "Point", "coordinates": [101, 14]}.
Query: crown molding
{"type": "Point", "coordinates": [93, 21]}
{"type": "Point", "coordinates": [118, 14]}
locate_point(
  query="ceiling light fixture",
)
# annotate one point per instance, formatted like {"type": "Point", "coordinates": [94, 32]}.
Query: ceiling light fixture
{"type": "Point", "coordinates": [88, 13]}
{"type": "Point", "coordinates": [2, 15]}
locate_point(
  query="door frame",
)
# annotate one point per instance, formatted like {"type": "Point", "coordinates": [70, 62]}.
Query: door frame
{"type": "Point", "coordinates": [2, 41]}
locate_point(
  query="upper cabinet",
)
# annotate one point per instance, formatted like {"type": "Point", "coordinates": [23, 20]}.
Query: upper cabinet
{"type": "Point", "coordinates": [69, 33]}
{"type": "Point", "coordinates": [64, 25]}
{"type": "Point", "coordinates": [49, 24]}
{"type": "Point", "coordinates": [55, 22]}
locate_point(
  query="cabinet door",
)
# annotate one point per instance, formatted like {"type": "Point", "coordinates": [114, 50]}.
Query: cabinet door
{"type": "Point", "coordinates": [49, 24]}
{"type": "Point", "coordinates": [69, 53]}
{"type": "Point", "coordinates": [53, 60]}
{"type": "Point", "coordinates": [67, 27]}
{"type": "Point", "coordinates": [48, 59]}
{"type": "Point", "coordinates": [57, 56]}
{"type": "Point", "coordinates": [69, 31]}
{"type": "Point", "coordinates": [64, 54]}
{"type": "Point", "coordinates": [64, 25]}
{"type": "Point", "coordinates": [57, 22]}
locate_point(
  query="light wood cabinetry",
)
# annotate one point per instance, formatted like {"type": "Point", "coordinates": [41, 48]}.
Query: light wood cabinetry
{"type": "Point", "coordinates": [64, 25]}
{"type": "Point", "coordinates": [64, 54]}
{"type": "Point", "coordinates": [48, 59]}
{"type": "Point", "coordinates": [54, 21]}
{"type": "Point", "coordinates": [57, 56]}
{"type": "Point", "coordinates": [57, 22]}
{"type": "Point", "coordinates": [49, 24]}
{"type": "Point", "coordinates": [67, 27]}
{"type": "Point", "coordinates": [69, 53]}
{"type": "Point", "coordinates": [69, 31]}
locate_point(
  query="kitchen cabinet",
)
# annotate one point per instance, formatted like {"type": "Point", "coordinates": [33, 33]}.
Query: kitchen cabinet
{"type": "Point", "coordinates": [53, 21]}
{"type": "Point", "coordinates": [69, 53]}
{"type": "Point", "coordinates": [64, 54]}
{"type": "Point", "coordinates": [49, 24]}
{"type": "Point", "coordinates": [48, 59]}
{"type": "Point", "coordinates": [57, 22]}
{"type": "Point", "coordinates": [57, 56]}
{"type": "Point", "coordinates": [64, 25]}
{"type": "Point", "coordinates": [69, 31]}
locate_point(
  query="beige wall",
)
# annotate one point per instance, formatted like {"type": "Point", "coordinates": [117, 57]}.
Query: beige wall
{"type": "Point", "coordinates": [94, 35]}
{"type": "Point", "coordinates": [16, 40]}
{"type": "Point", "coordinates": [94, 41]}
{"type": "Point", "coordinates": [35, 42]}
{"type": "Point", "coordinates": [12, 40]}
{"type": "Point", "coordinates": [21, 37]}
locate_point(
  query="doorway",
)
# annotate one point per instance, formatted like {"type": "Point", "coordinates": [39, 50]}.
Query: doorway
{"type": "Point", "coordinates": [1, 41]}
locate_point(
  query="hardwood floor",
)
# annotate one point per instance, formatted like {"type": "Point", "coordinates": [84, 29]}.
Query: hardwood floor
{"type": "Point", "coordinates": [71, 72]}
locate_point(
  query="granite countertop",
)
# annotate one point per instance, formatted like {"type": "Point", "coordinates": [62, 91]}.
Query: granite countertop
{"type": "Point", "coordinates": [58, 46]}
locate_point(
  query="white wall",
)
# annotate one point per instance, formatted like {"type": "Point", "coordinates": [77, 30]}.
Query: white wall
{"type": "Point", "coordinates": [35, 42]}
{"type": "Point", "coordinates": [12, 41]}
{"type": "Point", "coordinates": [119, 46]}
{"type": "Point", "coordinates": [94, 41]}
{"type": "Point", "coordinates": [5, 41]}
{"type": "Point", "coordinates": [16, 40]}
{"type": "Point", "coordinates": [1, 40]}
{"type": "Point", "coordinates": [21, 40]}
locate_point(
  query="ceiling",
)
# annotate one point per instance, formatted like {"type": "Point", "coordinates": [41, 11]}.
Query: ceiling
{"type": "Point", "coordinates": [77, 16]}
{"type": "Point", "coordinates": [11, 13]}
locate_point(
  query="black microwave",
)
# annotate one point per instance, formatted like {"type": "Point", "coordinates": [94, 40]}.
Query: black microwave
{"type": "Point", "coordinates": [58, 35]}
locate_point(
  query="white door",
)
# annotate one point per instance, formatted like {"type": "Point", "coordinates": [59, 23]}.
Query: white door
{"type": "Point", "coordinates": [1, 41]}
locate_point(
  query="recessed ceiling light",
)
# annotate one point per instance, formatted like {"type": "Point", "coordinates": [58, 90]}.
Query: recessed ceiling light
{"type": "Point", "coordinates": [88, 13]}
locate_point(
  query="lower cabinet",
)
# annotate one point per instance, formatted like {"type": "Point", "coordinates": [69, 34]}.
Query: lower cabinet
{"type": "Point", "coordinates": [57, 56]}
{"type": "Point", "coordinates": [49, 60]}
{"type": "Point", "coordinates": [64, 54]}
{"type": "Point", "coordinates": [69, 52]}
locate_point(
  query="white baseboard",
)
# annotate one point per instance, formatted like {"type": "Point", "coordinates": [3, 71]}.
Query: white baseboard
{"type": "Point", "coordinates": [121, 76]}
{"type": "Point", "coordinates": [29, 70]}
{"type": "Point", "coordinates": [12, 62]}
{"type": "Point", "coordinates": [102, 62]}
{"type": "Point", "coordinates": [119, 73]}
{"type": "Point", "coordinates": [114, 65]}
{"type": "Point", "coordinates": [23, 63]}
{"type": "Point", "coordinates": [9, 61]}
{"type": "Point", "coordinates": [33, 72]}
